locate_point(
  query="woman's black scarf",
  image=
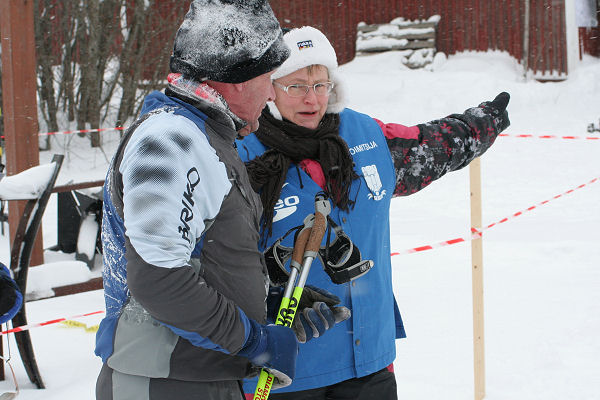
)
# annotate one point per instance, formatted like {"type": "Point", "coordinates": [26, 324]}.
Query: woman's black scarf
{"type": "Point", "coordinates": [290, 143]}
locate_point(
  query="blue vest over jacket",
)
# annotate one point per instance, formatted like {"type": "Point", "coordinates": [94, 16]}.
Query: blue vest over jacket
{"type": "Point", "coordinates": [364, 343]}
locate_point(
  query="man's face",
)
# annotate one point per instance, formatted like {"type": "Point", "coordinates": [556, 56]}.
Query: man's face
{"type": "Point", "coordinates": [254, 95]}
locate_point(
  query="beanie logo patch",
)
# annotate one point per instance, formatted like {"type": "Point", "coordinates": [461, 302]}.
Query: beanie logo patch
{"type": "Point", "coordinates": [305, 44]}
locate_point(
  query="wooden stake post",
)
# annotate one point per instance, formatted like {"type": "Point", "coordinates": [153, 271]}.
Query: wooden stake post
{"type": "Point", "coordinates": [477, 278]}
{"type": "Point", "coordinates": [19, 101]}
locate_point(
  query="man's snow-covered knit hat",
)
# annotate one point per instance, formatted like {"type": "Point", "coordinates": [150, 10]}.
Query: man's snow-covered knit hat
{"type": "Point", "coordinates": [309, 46]}
{"type": "Point", "coordinates": [228, 41]}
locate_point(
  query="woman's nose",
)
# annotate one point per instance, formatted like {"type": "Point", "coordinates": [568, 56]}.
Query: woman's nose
{"type": "Point", "coordinates": [311, 96]}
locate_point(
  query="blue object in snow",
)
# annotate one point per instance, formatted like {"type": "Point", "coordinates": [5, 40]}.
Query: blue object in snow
{"type": "Point", "coordinates": [11, 298]}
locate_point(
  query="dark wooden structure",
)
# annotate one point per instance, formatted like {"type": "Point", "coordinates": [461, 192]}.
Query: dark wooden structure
{"type": "Point", "coordinates": [21, 249]}
{"type": "Point", "coordinates": [589, 40]}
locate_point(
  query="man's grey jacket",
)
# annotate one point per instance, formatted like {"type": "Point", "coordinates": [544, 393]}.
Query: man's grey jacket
{"type": "Point", "coordinates": [182, 271]}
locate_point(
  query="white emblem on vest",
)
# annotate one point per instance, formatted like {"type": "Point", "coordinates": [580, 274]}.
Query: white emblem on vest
{"type": "Point", "coordinates": [373, 182]}
{"type": "Point", "coordinates": [286, 206]}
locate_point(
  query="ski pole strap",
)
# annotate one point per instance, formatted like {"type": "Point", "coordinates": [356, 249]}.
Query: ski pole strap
{"type": "Point", "coordinates": [348, 273]}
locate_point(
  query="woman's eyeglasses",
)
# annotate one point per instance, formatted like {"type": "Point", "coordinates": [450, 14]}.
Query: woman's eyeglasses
{"type": "Point", "coordinates": [298, 90]}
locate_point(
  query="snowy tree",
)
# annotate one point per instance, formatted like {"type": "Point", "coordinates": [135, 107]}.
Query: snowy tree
{"type": "Point", "coordinates": [97, 59]}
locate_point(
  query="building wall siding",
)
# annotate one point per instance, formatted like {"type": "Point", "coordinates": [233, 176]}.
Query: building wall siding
{"type": "Point", "coordinates": [477, 25]}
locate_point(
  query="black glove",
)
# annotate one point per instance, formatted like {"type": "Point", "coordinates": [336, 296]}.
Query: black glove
{"type": "Point", "coordinates": [317, 311]}
{"type": "Point", "coordinates": [501, 101]}
{"type": "Point", "coordinates": [497, 109]}
{"type": "Point", "coordinates": [274, 348]}
{"type": "Point", "coordinates": [11, 298]}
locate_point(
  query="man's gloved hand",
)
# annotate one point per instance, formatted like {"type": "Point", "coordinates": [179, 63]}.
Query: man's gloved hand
{"type": "Point", "coordinates": [317, 311]}
{"type": "Point", "coordinates": [497, 109]}
{"type": "Point", "coordinates": [274, 348]}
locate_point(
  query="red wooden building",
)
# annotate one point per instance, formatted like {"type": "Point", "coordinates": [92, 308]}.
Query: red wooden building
{"type": "Point", "coordinates": [589, 40]}
{"type": "Point", "coordinates": [477, 25]}
{"type": "Point", "coordinates": [464, 25]}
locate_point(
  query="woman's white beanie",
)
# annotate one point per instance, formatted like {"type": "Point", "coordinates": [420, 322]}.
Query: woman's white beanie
{"type": "Point", "coordinates": [309, 46]}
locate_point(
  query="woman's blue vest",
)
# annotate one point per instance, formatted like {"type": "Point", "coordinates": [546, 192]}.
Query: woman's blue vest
{"type": "Point", "coordinates": [364, 343]}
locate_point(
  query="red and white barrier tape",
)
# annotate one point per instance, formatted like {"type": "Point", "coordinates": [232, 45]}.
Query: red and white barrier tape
{"type": "Point", "coordinates": [53, 321]}
{"type": "Point", "coordinates": [551, 137]}
{"type": "Point", "coordinates": [118, 128]}
{"type": "Point", "coordinates": [476, 234]}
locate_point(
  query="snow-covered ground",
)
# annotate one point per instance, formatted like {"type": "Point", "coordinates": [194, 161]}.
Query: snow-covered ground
{"type": "Point", "coordinates": [541, 269]}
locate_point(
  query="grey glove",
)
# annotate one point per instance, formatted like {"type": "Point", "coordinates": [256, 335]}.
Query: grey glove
{"type": "Point", "coordinates": [317, 313]}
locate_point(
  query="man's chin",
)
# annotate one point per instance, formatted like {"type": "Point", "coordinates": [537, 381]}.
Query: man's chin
{"type": "Point", "coordinates": [248, 129]}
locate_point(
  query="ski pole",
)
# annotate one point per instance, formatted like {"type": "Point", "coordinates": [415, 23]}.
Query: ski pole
{"type": "Point", "coordinates": [285, 315]}
{"type": "Point", "coordinates": [305, 251]}
{"type": "Point", "coordinates": [287, 308]}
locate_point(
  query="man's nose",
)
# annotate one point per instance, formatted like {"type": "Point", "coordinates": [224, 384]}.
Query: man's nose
{"type": "Point", "coordinates": [271, 94]}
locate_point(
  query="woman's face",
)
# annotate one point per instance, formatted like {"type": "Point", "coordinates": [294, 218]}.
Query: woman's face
{"type": "Point", "coordinates": [307, 110]}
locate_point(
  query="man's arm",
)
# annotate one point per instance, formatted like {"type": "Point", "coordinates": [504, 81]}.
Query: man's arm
{"type": "Point", "coordinates": [173, 184]}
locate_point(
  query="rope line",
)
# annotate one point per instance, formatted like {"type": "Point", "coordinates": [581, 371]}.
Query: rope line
{"type": "Point", "coordinates": [475, 234]}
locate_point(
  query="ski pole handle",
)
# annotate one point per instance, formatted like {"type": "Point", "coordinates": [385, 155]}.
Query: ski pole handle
{"type": "Point", "coordinates": [297, 252]}
{"type": "Point", "coordinates": [316, 236]}
{"type": "Point", "coordinates": [300, 245]}
{"type": "Point", "coordinates": [322, 210]}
